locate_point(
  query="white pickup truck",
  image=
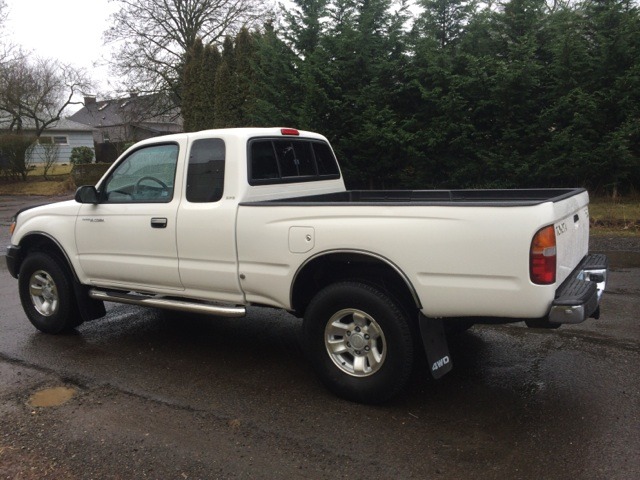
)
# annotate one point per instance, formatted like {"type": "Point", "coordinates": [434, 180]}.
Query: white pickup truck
{"type": "Point", "coordinates": [217, 221]}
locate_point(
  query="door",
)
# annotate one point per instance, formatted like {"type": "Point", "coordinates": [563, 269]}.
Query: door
{"type": "Point", "coordinates": [128, 240]}
{"type": "Point", "coordinates": [206, 227]}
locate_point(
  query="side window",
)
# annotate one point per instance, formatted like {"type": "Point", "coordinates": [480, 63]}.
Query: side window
{"type": "Point", "coordinates": [275, 161]}
{"type": "Point", "coordinates": [205, 175]}
{"type": "Point", "coordinates": [145, 176]}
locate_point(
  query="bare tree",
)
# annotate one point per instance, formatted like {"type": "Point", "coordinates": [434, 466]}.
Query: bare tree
{"type": "Point", "coordinates": [153, 36]}
{"type": "Point", "coordinates": [5, 47]}
{"type": "Point", "coordinates": [3, 15]}
{"type": "Point", "coordinates": [48, 153]}
{"type": "Point", "coordinates": [35, 95]}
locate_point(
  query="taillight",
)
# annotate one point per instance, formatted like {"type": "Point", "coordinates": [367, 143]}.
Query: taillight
{"type": "Point", "coordinates": [542, 257]}
{"type": "Point", "coordinates": [289, 131]}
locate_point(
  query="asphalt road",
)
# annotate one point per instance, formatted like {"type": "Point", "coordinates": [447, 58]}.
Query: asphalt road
{"type": "Point", "coordinates": [157, 395]}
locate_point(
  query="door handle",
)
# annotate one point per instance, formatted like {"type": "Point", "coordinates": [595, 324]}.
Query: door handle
{"type": "Point", "coordinates": [158, 222]}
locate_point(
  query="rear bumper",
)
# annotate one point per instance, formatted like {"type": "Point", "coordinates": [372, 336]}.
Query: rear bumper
{"type": "Point", "coordinates": [578, 298]}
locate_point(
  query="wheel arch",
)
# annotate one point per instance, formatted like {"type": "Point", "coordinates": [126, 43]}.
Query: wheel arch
{"type": "Point", "coordinates": [43, 242]}
{"type": "Point", "coordinates": [88, 308]}
{"type": "Point", "coordinates": [338, 265]}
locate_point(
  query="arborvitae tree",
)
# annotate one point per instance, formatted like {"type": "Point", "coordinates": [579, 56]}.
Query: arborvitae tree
{"type": "Point", "coordinates": [366, 65]}
{"type": "Point", "coordinates": [304, 25]}
{"type": "Point", "coordinates": [304, 32]}
{"type": "Point", "coordinates": [227, 106]}
{"type": "Point", "coordinates": [211, 61]}
{"type": "Point", "coordinates": [517, 96]}
{"type": "Point", "coordinates": [569, 107]}
{"type": "Point", "coordinates": [191, 94]}
{"type": "Point", "coordinates": [245, 52]}
{"type": "Point", "coordinates": [440, 79]}
{"type": "Point", "coordinates": [276, 84]}
{"type": "Point", "coordinates": [444, 21]}
{"type": "Point", "coordinates": [472, 97]}
{"type": "Point", "coordinates": [614, 38]}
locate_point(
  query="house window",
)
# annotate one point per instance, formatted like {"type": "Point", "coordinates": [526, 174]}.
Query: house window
{"type": "Point", "coordinates": [55, 139]}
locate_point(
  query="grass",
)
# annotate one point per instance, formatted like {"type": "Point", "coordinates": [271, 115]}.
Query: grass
{"type": "Point", "coordinates": [59, 182]}
{"type": "Point", "coordinates": [619, 216]}
{"type": "Point", "coordinates": [56, 170]}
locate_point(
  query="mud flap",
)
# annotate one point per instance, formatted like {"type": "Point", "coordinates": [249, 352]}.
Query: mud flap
{"type": "Point", "coordinates": [89, 309]}
{"type": "Point", "coordinates": [435, 345]}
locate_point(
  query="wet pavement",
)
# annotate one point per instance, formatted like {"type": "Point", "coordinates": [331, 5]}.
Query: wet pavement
{"type": "Point", "coordinates": [146, 394]}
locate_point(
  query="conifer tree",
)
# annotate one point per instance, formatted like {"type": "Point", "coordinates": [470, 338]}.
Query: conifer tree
{"type": "Point", "coordinates": [276, 86]}
{"type": "Point", "coordinates": [245, 52]}
{"type": "Point", "coordinates": [192, 79]}
{"type": "Point", "coordinates": [211, 60]}
{"type": "Point", "coordinates": [227, 108]}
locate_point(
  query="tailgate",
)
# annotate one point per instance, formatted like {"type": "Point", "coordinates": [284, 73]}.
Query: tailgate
{"type": "Point", "coordinates": [572, 233]}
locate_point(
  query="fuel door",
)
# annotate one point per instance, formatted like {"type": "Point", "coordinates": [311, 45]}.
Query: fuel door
{"type": "Point", "coordinates": [301, 239]}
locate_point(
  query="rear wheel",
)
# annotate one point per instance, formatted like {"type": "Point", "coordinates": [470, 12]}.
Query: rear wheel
{"type": "Point", "coordinates": [359, 341]}
{"type": "Point", "coordinates": [46, 293]}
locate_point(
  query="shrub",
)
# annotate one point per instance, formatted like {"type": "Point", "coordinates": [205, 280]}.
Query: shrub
{"type": "Point", "coordinates": [13, 152]}
{"type": "Point", "coordinates": [81, 155]}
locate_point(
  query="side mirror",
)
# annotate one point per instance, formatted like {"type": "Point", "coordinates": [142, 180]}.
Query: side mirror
{"type": "Point", "coordinates": [87, 194]}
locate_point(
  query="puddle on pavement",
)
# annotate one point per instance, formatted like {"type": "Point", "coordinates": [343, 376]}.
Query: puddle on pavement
{"type": "Point", "coordinates": [51, 397]}
{"type": "Point", "coordinates": [623, 259]}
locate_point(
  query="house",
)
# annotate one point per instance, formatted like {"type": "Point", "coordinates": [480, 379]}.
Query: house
{"type": "Point", "coordinates": [64, 133]}
{"type": "Point", "coordinates": [131, 119]}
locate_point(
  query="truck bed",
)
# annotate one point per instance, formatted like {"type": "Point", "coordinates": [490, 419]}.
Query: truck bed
{"type": "Point", "coordinates": [468, 251]}
{"type": "Point", "coordinates": [480, 198]}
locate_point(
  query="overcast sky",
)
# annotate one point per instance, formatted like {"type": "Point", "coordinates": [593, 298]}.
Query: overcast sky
{"type": "Point", "coordinates": [67, 30]}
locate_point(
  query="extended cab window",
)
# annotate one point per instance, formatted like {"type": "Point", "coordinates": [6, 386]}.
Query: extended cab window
{"type": "Point", "coordinates": [146, 176]}
{"type": "Point", "coordinates": [205, 176]}
{"type": "Point", "coordinates": [290, 160]}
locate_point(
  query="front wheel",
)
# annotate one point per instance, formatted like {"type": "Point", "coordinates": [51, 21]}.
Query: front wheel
{"type": "Point", "coordinates": [46, 293]}
{"type": "Point", "coordinates": [359, 341]}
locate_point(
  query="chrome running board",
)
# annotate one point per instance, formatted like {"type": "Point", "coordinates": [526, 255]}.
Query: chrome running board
{"type": "Point", "coordinates": [167, 303]}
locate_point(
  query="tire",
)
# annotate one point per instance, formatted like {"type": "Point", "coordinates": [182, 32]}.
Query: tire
{"type": "Point", "coordinates": [46, 293]}
{"type": "Point", "coordinates": [359, 342]}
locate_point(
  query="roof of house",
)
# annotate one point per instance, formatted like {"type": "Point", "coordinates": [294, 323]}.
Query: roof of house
{"type": "Point", "coordinates": [62, 125]}
{"type": "Point", "coordinates": [136, 110]}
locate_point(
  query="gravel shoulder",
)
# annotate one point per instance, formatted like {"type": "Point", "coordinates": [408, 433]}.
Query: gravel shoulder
{"type": "Point", "coordinates": [611, 243]}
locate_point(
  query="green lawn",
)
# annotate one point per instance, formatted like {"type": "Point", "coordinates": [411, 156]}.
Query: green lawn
{"type": "Point", "coordinates": [59, 182]}
{"type": "Point", "coordinates": [620, 215]}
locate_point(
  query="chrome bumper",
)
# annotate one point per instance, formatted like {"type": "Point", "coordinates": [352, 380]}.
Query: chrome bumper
{"type": "Point", "coordinates": [578, 298]}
